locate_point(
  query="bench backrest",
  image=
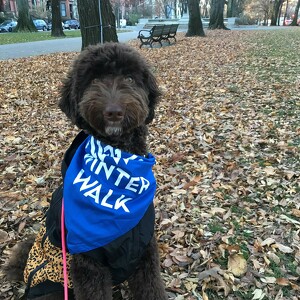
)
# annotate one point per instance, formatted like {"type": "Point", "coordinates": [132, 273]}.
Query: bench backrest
{"type": "Point", "coordinates": [157, 30]}
{"type": "Point", "coordinates": [166, 29]}
{"type": "Point", "coordinates": [148, 26]}
{"type": "Point", "coordinates": [174, 28]}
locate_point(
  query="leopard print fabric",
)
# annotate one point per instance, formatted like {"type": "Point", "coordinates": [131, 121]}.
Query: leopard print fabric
{"type": "Point", "coordinates": [45, 262]}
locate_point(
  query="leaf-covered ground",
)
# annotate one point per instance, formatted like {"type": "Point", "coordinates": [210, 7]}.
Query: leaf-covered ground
{"type": "Point", "coordinates": [226, 138]}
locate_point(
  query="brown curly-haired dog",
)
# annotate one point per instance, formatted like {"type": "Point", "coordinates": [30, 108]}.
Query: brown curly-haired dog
{"type": "Point", "coordinates": [111, 94]}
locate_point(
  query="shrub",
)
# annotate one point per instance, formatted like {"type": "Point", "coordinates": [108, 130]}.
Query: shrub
{"type": "Point", "coordinates": [245, 20]}
{"type": "Point", "coordinates": [133, 19]}
{"type": "Point", "coordinates": [6, 16]}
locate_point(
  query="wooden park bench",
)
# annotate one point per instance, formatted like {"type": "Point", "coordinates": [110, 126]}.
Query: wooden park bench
{"type": "Point", "coordinates": [169, 32]}
{"type": "Point", "coordinates": [156, 33]}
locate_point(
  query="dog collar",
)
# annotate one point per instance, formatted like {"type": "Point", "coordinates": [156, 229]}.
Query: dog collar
{"type": "Point", "coordinates": [106, 193]}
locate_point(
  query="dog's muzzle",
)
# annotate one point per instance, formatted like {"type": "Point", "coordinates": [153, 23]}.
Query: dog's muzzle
{"type": "Point", "coordinates": [113, 113]}
{"type": "Point", "coordinates": [113, 116]}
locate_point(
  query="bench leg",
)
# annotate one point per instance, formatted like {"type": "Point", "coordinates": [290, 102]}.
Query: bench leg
{"type": "Point", "coordinates": [157, 42]}
{"type": "Point", "coordinates": [144, 43]}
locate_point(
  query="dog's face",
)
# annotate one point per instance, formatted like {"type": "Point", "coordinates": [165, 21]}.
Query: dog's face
{"type": "Point", "coordinates": [109, 91]}
{"type": "Point", "coordinates": [113, 104]}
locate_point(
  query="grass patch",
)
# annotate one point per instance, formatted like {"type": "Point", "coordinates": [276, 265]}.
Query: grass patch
{"type": "Point", "coordinates": [244, 295]}
{"type": "Point", "coordinates": [276, 54]}
{"type": "Point", "coordinates": [240, 241]}
{"type": "Point", "coordinates": [24, 37]}
{"type": "Point", "coordinates": [288, 261]}
{"type": "Point", "coordinates": [215, 227]}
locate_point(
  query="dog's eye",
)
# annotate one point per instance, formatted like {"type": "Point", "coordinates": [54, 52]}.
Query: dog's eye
{"type": "Point", "coordinates": [129, 79]}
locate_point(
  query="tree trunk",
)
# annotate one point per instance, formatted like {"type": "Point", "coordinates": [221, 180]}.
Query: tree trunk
{"type": "Point", "coordinates": [231, 8]}
{"type": "Point", "coordinates": [285, 13]}
{"type": "Point", "coordinates": [25, 22]}
{"type": "Point", "coordinates": [235, 7]}
{"type": "Point", "coordinates": [90, 22]}
{"type": "Point", "coordinates": [195, 27]}
{"type": "Point", "coordinates": [57, 30]}
{"type": "Point", "coordinates": [216, 20]}
{"type": "Point", "coordinates": [275, 12]}
{"type": "Point", "coordinates": [175, 10]}
{"type": "Point", "coordinates": [279, 13]}
{"type": "Point", "coordinates": [295, 19]}
{"type": "Point", "coordinates": [205, 12]}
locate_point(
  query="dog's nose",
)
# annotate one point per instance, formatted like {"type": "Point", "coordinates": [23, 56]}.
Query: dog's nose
{"type": "Point", "coordinates": [114, 113]}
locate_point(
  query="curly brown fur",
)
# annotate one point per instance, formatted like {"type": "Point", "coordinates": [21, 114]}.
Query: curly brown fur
{"type": "Point", "coordinates": [14, 269]}
{"type": "Point", "coordinates": [145, 283]}
{"type": "Point", "coordinates": [111, 93]}
{"type": "Point", "coordinates": [90, 279]}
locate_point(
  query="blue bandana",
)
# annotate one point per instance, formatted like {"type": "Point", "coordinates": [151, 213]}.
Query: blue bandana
{"type": "Point", "coordinates": [106, 193]}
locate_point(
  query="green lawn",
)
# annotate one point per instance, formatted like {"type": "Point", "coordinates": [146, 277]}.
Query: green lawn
{"type": "Point", "coordinates": [24, 37]}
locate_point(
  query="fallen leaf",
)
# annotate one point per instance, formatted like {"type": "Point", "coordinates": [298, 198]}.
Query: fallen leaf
{"type": "Point", "coordinates": [296, 212]}
{"type": "Point", "coordinates": [237, 265]}
{"type": "Point", "coordinates": [283, 281]}
{"type": "Point", "coordinates": [283, 248]}
{"type": "Point", "coordinates": [3, 236]}
{"type": "Point", "coordinates": [269, 280]}
{"type": "Point", "coordinates": [268, 242]}
{"type": "Point", "coordinates": [258, 294]}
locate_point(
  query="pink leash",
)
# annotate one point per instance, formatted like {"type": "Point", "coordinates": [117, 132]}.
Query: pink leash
{"type": "Point", "coordinates": [64, 251]}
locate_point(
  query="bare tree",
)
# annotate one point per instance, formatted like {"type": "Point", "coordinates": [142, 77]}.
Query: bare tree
{"type": "Point", "coordinates": [275, 12]}
{"type": "Point", "coordinates": [25, 22]}
{"type": "Point", "coordinates": [295, 19]}
{"type": "Point", "coordinates": [57, 30]}
{"type": "Point", "coordinates": [231, 8]}
{"type": "Point", "coordinates": [204, 8]}
{"type": "Point", "coordinates": [261, 9]}
{"type": "Point", "coordinates": [216, 20]}
{"type": "Point", "coordinates": [280, 12]}
{"type": "Point", "coordinates": [175, 10]}
{"type": "Point", "coordinates": [96, 27]}
{"type": "Point", "coordinates": [285, 13]}
{"type": "Point", "coordinates": [235, 7]}
{"type": "Point", "coordinates": [195, 27]}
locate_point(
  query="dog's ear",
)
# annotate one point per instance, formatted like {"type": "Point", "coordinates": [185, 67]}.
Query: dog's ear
{"type": "Point", "coordinates": [154, 94]}
{"type": "Point", "coordinates": [72, 88]}
{"type": "Point", "coordinates": [81, 73]}
{"type": "Point", "coordinates": [65, 103]}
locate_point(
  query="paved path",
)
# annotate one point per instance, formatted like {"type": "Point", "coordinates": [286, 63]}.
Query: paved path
{"type": "Point", "coordinates": [74, 44]}
{"type": "Point", "coordinates": [51, 46]}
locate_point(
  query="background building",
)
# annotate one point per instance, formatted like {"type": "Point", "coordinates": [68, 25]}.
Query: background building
{"type": "Point", "coordinates": [41, 8]}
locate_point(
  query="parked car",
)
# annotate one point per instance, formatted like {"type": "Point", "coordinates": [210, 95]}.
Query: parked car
{"type": "Point", "coordinates": [40, 24]}
{"type": "Point", "coordinates": [71, 24]}
{"type": "Point", "coordinates": [50, 26]}
{"type": "Point", "coordinates": [287, 22]}
{"type": "Point", "coordinates": [8, 26]}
